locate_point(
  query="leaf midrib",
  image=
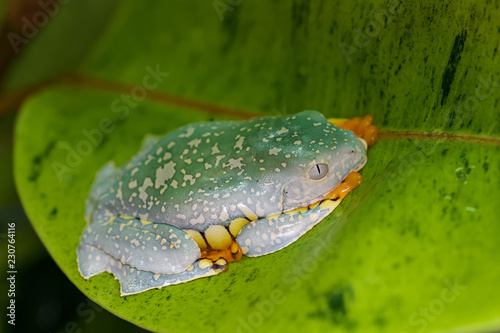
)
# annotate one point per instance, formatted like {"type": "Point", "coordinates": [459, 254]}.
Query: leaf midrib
{"type": "Point", "coordinates": [10, 102]}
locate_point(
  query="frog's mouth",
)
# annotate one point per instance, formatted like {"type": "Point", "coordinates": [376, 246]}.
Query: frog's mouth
{"type": "Point", "coordinates": [350, 182]}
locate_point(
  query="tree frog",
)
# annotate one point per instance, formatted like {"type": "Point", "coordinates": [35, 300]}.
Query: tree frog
{"type": "Point", "coordinates": [192, 201]}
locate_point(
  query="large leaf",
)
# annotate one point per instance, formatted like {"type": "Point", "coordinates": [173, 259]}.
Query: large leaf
{"type": "Point", "coordinates": [414, 248]}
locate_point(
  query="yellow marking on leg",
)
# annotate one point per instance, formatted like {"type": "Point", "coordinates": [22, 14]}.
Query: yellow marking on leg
{"type": "Point", "coordinates": [273, 217]}
{"type": "Point", "coordinates": [236, 225]}
{"type": "Point", "coordinates": [218, 237]}
{"type": "Point", "coordinates": [128, 217]}
{"type": "Point", "coordinates": [314, 205]}
{"type": "Point", "coordinates": [329, 204]}
{"type": "Point", "coordinates": [204, 263]}
{"type": "Point", "coordinates": [198, 238]}
{"type": "Point", "coordinates": [221, 262]}
{"type": "Point", "coordinates": [235, 248]}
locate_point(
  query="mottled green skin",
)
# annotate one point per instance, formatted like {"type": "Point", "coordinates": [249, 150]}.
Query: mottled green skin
{"type": "Point", "coordinates": [210, 174]}
{"type": "Point", "coordinates": [214, 167]}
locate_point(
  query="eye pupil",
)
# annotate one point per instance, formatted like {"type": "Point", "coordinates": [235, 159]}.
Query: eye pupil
{"type": "Point", "coordinates": [319, 171]}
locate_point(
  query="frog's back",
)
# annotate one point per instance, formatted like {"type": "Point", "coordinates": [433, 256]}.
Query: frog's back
{"type": "Point", "coordinates": [202, 174]}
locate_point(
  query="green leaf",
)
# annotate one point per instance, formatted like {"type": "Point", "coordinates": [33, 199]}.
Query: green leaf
{"type": "Point", "coordinates": [414, 248]}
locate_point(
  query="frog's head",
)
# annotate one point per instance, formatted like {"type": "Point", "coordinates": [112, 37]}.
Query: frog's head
{"type": "Point", "coordinates": [322, 155]}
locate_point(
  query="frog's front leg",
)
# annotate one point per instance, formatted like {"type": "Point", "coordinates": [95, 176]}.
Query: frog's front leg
{"type": "Point", "coordinates": [270, 234]}
{"type": "Point", "coordinates": [361, 126]}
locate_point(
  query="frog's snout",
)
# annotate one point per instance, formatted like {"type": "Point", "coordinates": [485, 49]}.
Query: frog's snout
{"type": "Point", "coordinates": [364, 143]}
{"type": "Point", "coordinates": [361, 164]}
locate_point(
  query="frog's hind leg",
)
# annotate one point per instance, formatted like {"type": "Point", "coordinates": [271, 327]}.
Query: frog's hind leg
{"type": "Point", "coordinates": [361, 126]}
{"type": "Point", "coordinates": [270, 234]}
{"type": "Point", "coordinates": [133, 280]}
{"type": "Point", "coordinates": [141, 254]}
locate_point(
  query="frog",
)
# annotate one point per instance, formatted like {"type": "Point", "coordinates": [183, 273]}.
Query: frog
{"type": "Point", "coordinates": [208, 193]}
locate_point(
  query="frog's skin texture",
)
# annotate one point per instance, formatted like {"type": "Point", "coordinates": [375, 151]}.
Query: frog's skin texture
{"type": "Point", "coordinates": [261, 183]}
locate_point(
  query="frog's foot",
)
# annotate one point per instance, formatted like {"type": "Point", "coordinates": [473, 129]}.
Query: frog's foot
{"type": "Point", "coordinates": [233, 253]}
{"type": "Point", "coordinates": [361, 126]}
{"type": "Point", "coordinates": [272, 233]}
{"type": "Point", "coordinates": [217, 243]}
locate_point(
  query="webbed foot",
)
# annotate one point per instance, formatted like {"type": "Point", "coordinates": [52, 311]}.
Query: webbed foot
{"type": "Point", "coordinates": [233, 253]}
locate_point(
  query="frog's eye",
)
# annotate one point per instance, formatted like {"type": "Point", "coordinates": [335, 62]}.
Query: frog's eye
{"type": "Point", "coordinates": [318, 171]}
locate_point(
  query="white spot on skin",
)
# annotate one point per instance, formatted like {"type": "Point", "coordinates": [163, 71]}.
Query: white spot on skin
{"type": "Point", "coordinates": [167, 156]}
{"type": "Point", "coordinates": [134, 172]}
{"type": "Point", "coordinates": [194, 143]}
{"type": "Point", "coordinates": [132, 184]}
{"type": "Point", "coordinates": [224, 215]}
{"type": "Point", "coordinates": [218, 158]}
{"type": "Point", "coordinates": [215, 149]}
{"type": "Point", "coordinates": [164, 173]}
{"type": "Point", "coordinates": [258, 209]}
{"type": "Point", "coordinates": [239, 143]}
{"type": "Point", "coordinates": [189, 132]}
{"type": "Point", "coordinates": [274, 151]}
{"type": "Point", "coordinates": [297, 142]}
{"type": "Point", "coordinates": [234, 163]}
{"type": "Point", "coordinates": [282, 130]}
{"type": "Point", "coordinates": [142, 190]}
{"type": "Point", "coordinates": [198, 220]}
